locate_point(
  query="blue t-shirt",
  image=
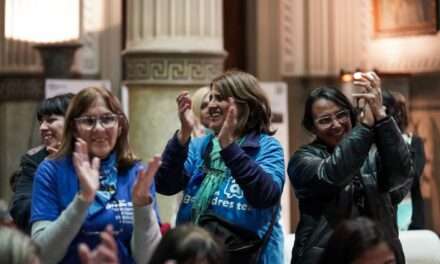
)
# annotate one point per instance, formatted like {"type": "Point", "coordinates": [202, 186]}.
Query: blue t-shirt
{"type": "Point", "coordinates": [55, 186]}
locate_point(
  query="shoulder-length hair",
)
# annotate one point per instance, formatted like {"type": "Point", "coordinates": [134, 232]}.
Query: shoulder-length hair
{"type": "Point", "coordinates": [254, 112]}
{"type": "Point", "coordinates": [80, 103]}
{"type": "Point", "coordinates": [328, 93]}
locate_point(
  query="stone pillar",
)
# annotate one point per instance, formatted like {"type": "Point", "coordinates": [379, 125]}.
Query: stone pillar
{"type": "Point", "coordinates": [172, 46]}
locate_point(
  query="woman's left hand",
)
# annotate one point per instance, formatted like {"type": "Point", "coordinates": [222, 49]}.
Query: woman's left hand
{"type": "Point", "coordinates": [141, 189]}
{"type": "Point", "coordinates": [373, 93]}
{"type": "Point", "coordinates": [227, 133]}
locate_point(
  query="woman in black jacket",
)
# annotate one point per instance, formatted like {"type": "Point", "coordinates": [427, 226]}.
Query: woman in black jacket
{"type": "Point", "coordinates": [50, 115]}
{"type": "Point", "coordinates": [358, 165]}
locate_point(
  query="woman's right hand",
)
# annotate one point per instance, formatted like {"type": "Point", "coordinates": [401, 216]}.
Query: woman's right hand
{"type": "Point", "coordinates": [86, 171]}
{"type": "Point", "coordinates": [186, 117]}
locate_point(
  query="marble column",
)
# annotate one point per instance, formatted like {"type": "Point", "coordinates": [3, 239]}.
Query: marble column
{"type": "Point", "coordinates": [171, 46]}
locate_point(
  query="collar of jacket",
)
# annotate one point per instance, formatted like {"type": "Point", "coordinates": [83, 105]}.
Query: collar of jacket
{"type": "Point", "coordinates": [321, 145]}
{"type": "Point", "coordinates": [251, 142]}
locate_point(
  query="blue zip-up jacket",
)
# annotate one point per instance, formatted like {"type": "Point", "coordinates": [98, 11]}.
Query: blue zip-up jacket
{"type": "Point", "coordinates": [247, 199]}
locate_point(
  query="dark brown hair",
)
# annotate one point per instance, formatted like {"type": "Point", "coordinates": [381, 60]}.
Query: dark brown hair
{"type": "Point", "coordinates": [188, 244]}
{"type": "Point", "coordinates": [329, 93]}
{"type": "Point", "coordinates": [254, 112]}
{"type": "Point", "coordinates": [351, 239]}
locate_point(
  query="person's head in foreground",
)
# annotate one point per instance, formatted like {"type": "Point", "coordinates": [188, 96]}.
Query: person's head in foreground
{"type": "Point", "coordinates": [188, 244]}
{"type": "Point", "coordinates": [358, 241]}
{"type": "Point", "coordinates": [17, 248]}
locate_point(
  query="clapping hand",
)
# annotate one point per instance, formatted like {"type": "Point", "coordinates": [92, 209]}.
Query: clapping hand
{"type": "Point", "coordinates": [87, 172]}
{"type": "Point", "coordinates": [186, 117]}
{"type": "Point", "coordinates": [372, 93]}
{"type": "Point", "coordinates": [227, 133]}
{"type": "Point", "coordinates": [105, 253]}
{"type": "Point", "coordinates": [141, 189]}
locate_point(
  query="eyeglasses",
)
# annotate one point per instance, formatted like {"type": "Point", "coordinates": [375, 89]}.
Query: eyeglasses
{"type": "Point", "coordinates": [89, 122]}
{"type": "Point", "coordinates": [327, 120]}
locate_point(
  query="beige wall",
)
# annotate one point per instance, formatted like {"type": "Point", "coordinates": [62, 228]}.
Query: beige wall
{"type": "Point", "coordinates": [19, 131]}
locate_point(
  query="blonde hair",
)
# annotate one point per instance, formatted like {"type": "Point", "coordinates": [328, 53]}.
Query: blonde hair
{"type": "Point", "coordinates": [197, 100]}
{"type": "Point", "coordinates": [79, 104]}
{"type": "Point", "coordinates": [16, 247]}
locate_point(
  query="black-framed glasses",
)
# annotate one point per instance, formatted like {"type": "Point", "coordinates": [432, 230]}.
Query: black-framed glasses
{"type": "Point", "coordinates": [327, 120]}
{"type": "Point", "coordinates": [89, 122]}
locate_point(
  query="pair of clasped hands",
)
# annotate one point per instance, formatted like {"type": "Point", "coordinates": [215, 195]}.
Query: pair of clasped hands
{"type": "Point", "coordinates": [227, 133]}
{"type": "Point", "coordinates": [369, 99]}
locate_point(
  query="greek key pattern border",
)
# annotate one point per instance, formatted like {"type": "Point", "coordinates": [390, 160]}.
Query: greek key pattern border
{"type": "Point", "coordinates": [172, 70]}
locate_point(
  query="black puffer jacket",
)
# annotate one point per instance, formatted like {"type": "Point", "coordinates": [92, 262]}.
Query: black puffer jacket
{"type": "Point", "coordinates": [325, 184]}
{"type": "Point", "coordinates": [21, 199]}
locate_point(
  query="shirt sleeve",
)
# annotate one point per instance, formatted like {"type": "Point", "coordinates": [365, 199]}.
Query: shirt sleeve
{"type": "Point", "coordinates": [316, 173]}
{"type": "Point", "coordinates": [178, 161]}
{"type": "Point", "coordinates": [146, 234]}
{"type": "Point", "coordinates": [396, 164]}
{"type": "Point", "coordinates": [21, 199]}
{"type": "Point", "coordinates": [54, 237]}
{"type": "Point", "coordinates": [262, 179]}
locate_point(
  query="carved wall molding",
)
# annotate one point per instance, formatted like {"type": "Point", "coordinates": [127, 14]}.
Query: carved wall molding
{"type": "Point", "coordinates": [172, 68]}
{"type": "Point", "coordinates": [18, 87]}
{"type": "Point", "coordinates": [410, 54]}
{"type": "Point", "coordinates": [175, 24]}
{"type": "Point", "coordinates": [292, 37]}
{"type": "Point", "coordinates": [87, 57]}
{"type": "Point", "coordinates": [319, 38]}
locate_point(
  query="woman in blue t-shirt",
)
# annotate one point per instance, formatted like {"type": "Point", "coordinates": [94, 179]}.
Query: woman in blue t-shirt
{"type": "Point", "coordinates": [93, 181]}
{"type": "Point", "coordinates": [235, 173]}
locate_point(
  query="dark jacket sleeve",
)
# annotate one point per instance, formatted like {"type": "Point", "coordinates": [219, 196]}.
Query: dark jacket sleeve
{"type": "Point", "coordinates": [171, 177]}
{"type": "Point", "coordinates": [396, 166]}
{"type": "Point", "coordinates": [418, 156]}
{"type": "Point", "coordinates": [262, 179]}
{"type": "Point", "coordinates": [313, 172]}
{"type": "Point", "coordinates": [21, 199]}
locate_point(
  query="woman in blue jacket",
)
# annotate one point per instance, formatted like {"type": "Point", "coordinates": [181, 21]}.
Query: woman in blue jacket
{"type": "Point", "coordinates": [236, 173]}
{"type": "Point", "coordinates": [94, 181]}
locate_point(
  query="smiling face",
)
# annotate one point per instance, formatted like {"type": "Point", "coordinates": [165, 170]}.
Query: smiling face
{"type": "Point", "coordinates": [101, 136]}
{"type": "Point", "coordinates": [51, 130]}
{"type": "Point", "coordinates": [331, 122]}
{"type": "Point", "coordinates": [217, 109]}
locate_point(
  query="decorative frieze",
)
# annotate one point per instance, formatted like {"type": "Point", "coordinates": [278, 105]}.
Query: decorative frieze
{"type": "Point", "coordinates": [17, 87]}
{"type": "Point", "coordinates": [319, 38]}
{"type": "Point", "coordinates": [172, 68]}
